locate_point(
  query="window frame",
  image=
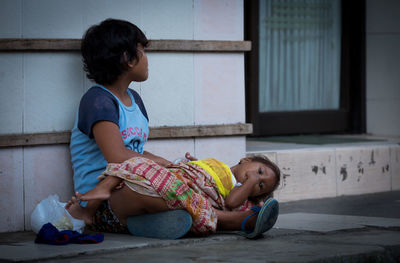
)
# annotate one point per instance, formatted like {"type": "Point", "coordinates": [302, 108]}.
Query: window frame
{"type": "Point", "coordinates": [349, 118]}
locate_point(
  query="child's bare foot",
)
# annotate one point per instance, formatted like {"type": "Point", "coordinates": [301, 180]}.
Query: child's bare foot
{"type": "Point", "coordinates": [77, 211]}
{"type": "Point", "coordinates": [102, 191]}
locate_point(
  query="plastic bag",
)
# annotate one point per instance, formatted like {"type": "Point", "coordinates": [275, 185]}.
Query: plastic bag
{"type": "Point", "coordinates": [51, 210]}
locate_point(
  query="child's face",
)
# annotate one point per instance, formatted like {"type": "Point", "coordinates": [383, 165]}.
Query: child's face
{"type": "Point", "coordinates": [140, 71]}
{"type": "Point", "coordinates": [263, 177]}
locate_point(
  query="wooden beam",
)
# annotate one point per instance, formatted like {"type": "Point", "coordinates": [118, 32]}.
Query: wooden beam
{"type": "Point", "coordinates": [200, 131]}
{"type": "Point", "coordinates": [20, 44]}
{"type": "Point", "coordinates": [177, 132]}
{"type": "Point", "coordinates": [199, 46]}
{"type": "Point", "coordinates": [31, 139]}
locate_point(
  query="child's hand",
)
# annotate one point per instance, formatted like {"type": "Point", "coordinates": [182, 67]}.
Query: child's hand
{"type": "Point", "coordinates": [121, 184]}
{"type": "Point", "coordinates": [190, 157]}
{"type": "Point", "coordinates": [253, 178]}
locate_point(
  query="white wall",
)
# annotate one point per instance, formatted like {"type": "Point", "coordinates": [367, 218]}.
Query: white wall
{"type": "Point", "coordinates": [383, 67]}
{"type": "Point", "coordinates": [40, 92]}
{"type": "Point", "coordinates": [34, 86]}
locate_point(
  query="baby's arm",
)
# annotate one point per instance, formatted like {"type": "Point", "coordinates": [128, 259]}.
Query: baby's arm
{"type": "Point", "coordinates": [108, 138]}
{"type": "Point", "coordinates": [239, 195]}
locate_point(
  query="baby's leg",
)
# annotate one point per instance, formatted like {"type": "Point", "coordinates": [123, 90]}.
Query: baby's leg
{"type": "Point", "coordinates": [102, 191]}
{"type": "Point", "coordinates": [94, 197]}
{"type": "Point", "coordinates": [126, 202]}
{"type": "Point", "coordinates": [232, 220]}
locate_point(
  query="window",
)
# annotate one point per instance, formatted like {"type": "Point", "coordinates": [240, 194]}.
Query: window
{"type": "Point", "coordinates": [305, 73]}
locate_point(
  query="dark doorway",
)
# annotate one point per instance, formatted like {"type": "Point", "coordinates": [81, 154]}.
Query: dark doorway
{"type": "Point", "coordinates": [347, 112]}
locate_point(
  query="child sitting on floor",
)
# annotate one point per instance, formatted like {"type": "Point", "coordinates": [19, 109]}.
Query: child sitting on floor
{"type": "Point", "coordinates": [251, 181]}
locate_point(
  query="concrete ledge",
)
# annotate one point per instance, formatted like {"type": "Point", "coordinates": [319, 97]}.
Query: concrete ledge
{"type": "Point", "coordinates": [318, 171]}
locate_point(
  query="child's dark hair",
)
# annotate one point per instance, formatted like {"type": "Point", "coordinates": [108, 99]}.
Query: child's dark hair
{"type": "Point", "coordinates": [107, 47]}
{"type": "Point", "coordinates": [264, 160]}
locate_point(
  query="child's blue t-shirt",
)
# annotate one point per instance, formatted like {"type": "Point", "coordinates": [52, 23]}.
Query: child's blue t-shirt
{"type": "Point", "coordinates": [99, 104]}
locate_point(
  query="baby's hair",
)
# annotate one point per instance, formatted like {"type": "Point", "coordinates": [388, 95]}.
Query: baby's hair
{"type": "Point", "coordinates": [264, 160]}
{"type": "Point", "coordinates": [107, 47]}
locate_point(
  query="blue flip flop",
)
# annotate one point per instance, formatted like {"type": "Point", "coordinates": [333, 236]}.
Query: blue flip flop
{"type": "Point", "coordinates": [266, 219]}
{"type": "Point", "coordinates": [171, 224]}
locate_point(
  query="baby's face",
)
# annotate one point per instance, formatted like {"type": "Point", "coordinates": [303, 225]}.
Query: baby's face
{"type": "Point", "coordinates": [265, 176]}
{"type": "Point", "coordinates": [267, 181]}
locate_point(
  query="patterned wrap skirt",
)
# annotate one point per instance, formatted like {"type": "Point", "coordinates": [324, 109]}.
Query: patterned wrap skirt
{"type": "Point", "coordinates": [182, 186]}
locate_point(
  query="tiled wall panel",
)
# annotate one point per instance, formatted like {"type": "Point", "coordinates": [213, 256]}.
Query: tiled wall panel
{"type": "Point", "coordinates": [383, 116]}
{"type": "Point", "coordinates": [96, 11]}
{"type": "Point", "coordinates": [382, 56]}
{"type": "Point", "coordinates": [10, 19]}
{"type": "Point", "coordinates": [53, 87]}
{"type": "Point", "coordinates": [47, 170]}
{"type": "Point", "coordinates": [167, 19]}
{"type": "Point", "coordinates": [168, 93]}
{"type": "Point", "coordinates": [11, 190]}
{"type": "Point", "coordinates": [219, 88]}
{"type": "Point", "coordinates": [383, 88]}
{"type": "Point", "coordinates": [11, 93]}
{"type": "Point", "coordinates": [52, 19]}
{"type": "Point", "coordinates": [218, 20]}
{"type": "Point", "coordinates": [382, 73]}
{"type": "Point", "coordinates": [382, 16]}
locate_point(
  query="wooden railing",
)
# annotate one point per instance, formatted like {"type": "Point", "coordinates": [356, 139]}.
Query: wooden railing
{"type": "Point", "coordinates": [176, 132]}
{"type": "Point", "coordinates": [53, 44]}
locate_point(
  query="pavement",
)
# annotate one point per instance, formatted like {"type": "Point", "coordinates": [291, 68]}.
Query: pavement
{"type": "Point", "coordinates": [364, 228]}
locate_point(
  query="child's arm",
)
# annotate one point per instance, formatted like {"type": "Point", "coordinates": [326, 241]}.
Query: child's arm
{"type": "Point", "coordinates": [238, 195]}
{"type": "Point", "coordinates": [108, 138]}
{"type": "Point", "coordinates": [161, 161]}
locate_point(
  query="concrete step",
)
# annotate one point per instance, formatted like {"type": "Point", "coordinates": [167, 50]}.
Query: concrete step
{"type": "Point", "coordinates": [367, 164]}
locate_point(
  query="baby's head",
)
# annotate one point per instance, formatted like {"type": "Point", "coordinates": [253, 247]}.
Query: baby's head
{"type": "Point", "coordinates": [259, 165]}
{"type": "Point", "coordinates": [108, 47]}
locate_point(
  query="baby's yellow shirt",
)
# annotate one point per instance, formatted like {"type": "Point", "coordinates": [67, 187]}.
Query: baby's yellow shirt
{"type": "Point", "coordinates": [220, 172]}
